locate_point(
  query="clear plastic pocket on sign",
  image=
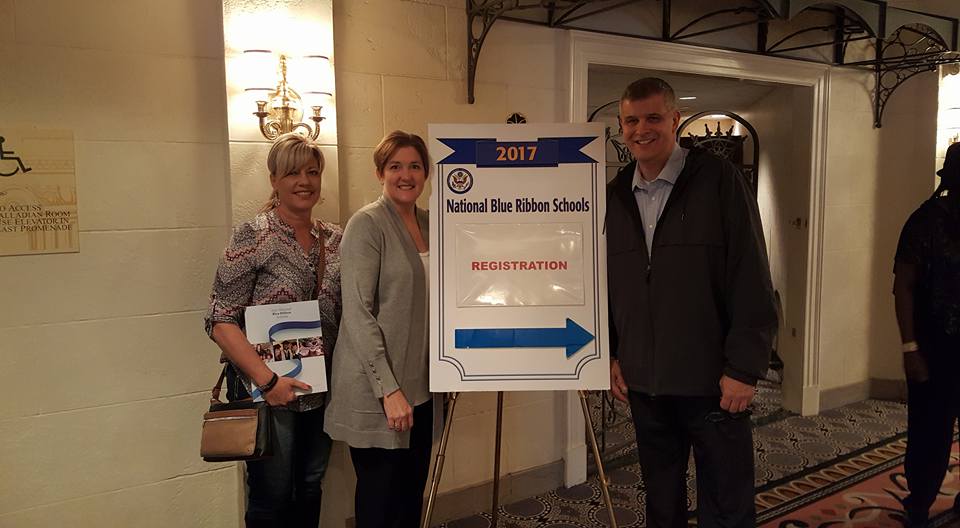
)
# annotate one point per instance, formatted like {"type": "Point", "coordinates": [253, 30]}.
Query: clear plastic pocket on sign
{"type": "Point", "coordinates": [519, 264]}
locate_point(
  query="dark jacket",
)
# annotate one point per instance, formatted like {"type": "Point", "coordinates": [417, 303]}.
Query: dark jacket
{"type": "Point", "coordinates": [701, 305]}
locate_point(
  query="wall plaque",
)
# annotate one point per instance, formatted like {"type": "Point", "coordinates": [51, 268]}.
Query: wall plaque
{"type": "Point", "coordinates": [38, 192]}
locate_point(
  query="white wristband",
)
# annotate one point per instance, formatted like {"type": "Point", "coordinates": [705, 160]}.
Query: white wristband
{"type": "Point", "coordinates": [910, 346]}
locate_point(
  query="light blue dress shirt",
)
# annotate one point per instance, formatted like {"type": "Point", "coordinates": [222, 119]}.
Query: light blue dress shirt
{"type": "Point", "coordinates": [651, 196]}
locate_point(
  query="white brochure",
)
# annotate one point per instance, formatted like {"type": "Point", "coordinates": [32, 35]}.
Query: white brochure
{"type": "Point", "coordinates": [288, 339]}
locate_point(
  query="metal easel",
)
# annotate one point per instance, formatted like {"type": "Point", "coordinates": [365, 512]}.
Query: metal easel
{"type": "Point", "coordinates": [495, 507]}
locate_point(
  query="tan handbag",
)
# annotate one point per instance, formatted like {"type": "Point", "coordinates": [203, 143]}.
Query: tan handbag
{"type": "Point", "coordinates": [240, 430]}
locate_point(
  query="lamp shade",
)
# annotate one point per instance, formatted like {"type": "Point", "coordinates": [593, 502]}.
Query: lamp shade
{"type": "Point", "coordinates": [313, 78]}
{"type": "Point", "coordinates": [259, 70]}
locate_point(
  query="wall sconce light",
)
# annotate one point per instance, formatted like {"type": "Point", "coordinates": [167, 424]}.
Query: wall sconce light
{"type": "Point", "coordinates": [948, 121]}
{"type": "Point", "coordinates": [280, 110]}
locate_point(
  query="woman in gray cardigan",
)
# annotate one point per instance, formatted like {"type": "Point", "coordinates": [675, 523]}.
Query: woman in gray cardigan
{"type": "Point", "coordinates": [380, 402]}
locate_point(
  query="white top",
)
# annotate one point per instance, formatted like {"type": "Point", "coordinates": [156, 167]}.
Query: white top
{"type": "Point", "coordinates": [425, 258]}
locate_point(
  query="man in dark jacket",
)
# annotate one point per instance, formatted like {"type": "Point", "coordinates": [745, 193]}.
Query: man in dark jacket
{"type": "Point", "coordinates": [691, 313]}
{"type": "Point", "coordinates": [927, 298]}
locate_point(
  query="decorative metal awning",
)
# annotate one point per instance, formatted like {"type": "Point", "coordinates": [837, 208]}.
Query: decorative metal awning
{"type": "Point", "coordinates": [895, 44]}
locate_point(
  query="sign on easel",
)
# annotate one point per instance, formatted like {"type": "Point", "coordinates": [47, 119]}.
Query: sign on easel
{"type": "Point", "coordinates": [518, 258]}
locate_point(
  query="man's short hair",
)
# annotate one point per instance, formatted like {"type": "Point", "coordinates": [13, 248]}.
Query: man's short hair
{"type": "Point", "coordinates": [650, 86]}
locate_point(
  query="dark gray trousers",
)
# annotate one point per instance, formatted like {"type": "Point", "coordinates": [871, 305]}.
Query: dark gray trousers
{"type": "Point", "coordinates": [667, 428]}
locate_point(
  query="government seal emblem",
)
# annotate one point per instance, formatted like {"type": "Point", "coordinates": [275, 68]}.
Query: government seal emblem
{"type": "Point", "coordinates": [459, 180]}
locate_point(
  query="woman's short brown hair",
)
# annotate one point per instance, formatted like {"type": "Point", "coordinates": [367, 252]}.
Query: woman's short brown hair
{"type": "Point", "coordinates": [395, 141]}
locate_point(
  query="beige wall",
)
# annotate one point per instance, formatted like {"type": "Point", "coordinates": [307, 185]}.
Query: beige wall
{"type": "Point", "coordinates": [782, 120]}
{"type": "Point", "coordinates": [105, 364]}
{"type": "Point", "coordinates": [875, 178]}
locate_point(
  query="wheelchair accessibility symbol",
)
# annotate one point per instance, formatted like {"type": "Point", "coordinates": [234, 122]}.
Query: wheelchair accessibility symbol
{"type": "Point", "coordinates": [8, 155]}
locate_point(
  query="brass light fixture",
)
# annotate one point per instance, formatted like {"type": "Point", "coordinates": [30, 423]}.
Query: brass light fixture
{"type": "Point", "coordinates": [280, 110]}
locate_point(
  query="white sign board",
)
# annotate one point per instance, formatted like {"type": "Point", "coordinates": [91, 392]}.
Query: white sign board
{"type": "Point", "coordinates": [518, 258]}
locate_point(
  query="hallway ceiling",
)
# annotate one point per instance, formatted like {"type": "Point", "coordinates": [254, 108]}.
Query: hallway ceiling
{"type": "Point", "coordinates": [606, 83]}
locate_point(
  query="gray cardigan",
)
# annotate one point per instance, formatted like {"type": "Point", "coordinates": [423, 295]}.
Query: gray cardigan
{"type": "Point", "coordinates": [382, 344]}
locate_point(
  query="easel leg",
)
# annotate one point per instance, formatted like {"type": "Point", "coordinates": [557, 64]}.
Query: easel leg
{"type": "Point", "coordinates": [438, 465]}
{"type": "Point", "coordinates": [596, 457]}
{"type": "Point", "coordinates": [495, 509]}
{"type": "Point", "coordinates": [603, 422]}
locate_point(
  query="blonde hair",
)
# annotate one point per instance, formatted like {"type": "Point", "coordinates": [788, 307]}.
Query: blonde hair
{"type": "Point", "coordinates": [395, 141]}
{"type": "Point", "coordinates": [288, 154]}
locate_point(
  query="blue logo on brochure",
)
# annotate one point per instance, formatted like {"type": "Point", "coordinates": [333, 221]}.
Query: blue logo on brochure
{"type": "Point", "coordinates": [460, 180]}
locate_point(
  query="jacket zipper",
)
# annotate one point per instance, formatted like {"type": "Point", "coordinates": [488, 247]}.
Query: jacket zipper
{"type": "Point", "coordinates": [649, 272]}
{"type": "Point", "coordinates": [653, 335]}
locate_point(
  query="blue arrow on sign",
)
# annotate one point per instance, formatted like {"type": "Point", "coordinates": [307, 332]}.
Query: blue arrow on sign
{"type": "Point", "coordinates": [573, 337]}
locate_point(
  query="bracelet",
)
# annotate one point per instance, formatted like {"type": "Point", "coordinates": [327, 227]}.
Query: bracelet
{"type": "Point", "coordinates": [910, 346]}
{"type": "Point", "coordinates": [269, 385]}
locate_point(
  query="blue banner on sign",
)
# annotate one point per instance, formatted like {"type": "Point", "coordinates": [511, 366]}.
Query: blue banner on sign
{"type": "Point", "coordinates": [545, 152]}
{"type": "Point", "coordinates": [542, 153]}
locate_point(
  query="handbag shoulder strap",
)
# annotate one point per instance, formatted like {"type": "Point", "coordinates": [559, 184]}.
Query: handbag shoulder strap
{"type": "Point", "coordinates": [322, 265]}
{"type": "Point", "coordinates": [215, 391]}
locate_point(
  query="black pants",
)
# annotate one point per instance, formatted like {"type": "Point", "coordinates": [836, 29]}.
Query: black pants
{"type": "Point", "coordinates": [932, 409]}
{"type": "Point", "coordinates": [667, 427]}
{"type": "Point", "coordinates": [390, 482]}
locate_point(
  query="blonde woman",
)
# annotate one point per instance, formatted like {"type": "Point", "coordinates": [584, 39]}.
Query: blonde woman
{"type": "Point", "coordinates": [279, 257]}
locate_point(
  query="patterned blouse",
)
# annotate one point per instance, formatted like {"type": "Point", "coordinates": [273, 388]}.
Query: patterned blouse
{"type": "Point", "coordinates": [264, 264]}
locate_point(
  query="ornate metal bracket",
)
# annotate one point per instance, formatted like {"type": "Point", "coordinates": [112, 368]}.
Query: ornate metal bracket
{"type": "Point", "coordinates": [912, 48]}
{"type": "Point", "coordinates": [482, 13]}
{"type": "Point", "coordinates": [909, 51]}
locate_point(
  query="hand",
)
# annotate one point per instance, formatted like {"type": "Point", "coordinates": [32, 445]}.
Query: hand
{"type": "Point", "coordinates": [398, 411]}
{"type": "Point", "coordinates": [283, 392]}
{"type": "Point", "coordinates": [735, 395]}
{"type": "Point", "coordinates": [617, 386]}
{"type": "Point", "coordinates": [915, 367]}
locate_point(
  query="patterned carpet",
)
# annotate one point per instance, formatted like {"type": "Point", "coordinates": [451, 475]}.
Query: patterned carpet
{"type": "Point", "coordinates": [790, 450]}
{"type": "Point", "coordinates": [865, 490]}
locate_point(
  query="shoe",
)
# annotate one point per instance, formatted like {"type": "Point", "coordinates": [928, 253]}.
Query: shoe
{"type": "Point", "coordinates": [913, 518]}
{"type": "Point", "coordinates": [915, 521]}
